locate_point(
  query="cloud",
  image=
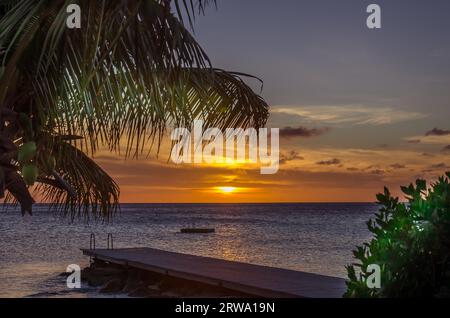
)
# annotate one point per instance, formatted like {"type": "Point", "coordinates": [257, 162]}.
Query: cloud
{"type": "Point", "coordinates": [446, 148]}
{"type": "Point", "coordinates": [289, 132]}
{"type": "Point", "coordinates": [290, 156]}
{"type": "Point", "coordinates": [377, 172]}
{"type": "Point", "coordinates": [441, 165]}
{"type": "Point", "coordinates": [330, 162]}
{"type": "Point", "coordinates": [107, 158]}
{"type": "Point", "coordinates": [397, 166]}
{"type": "Point", "coordinates": [349, 114]}
{"type": "Point", "coordinates": [433, 137]}
{"type": "Point", "coordinates": [438, 132]}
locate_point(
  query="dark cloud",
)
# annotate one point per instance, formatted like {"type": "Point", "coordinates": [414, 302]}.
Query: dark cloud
{"type": "Point", "coordinates": [397, 166]}
{"type": "Point", "coordinates": [414, 141]}
{"type": "Point", "coordinates": [291, 155]}
{"type": "Point", "coordinates": [377, 172]}
{"type": "Point", "coordinates": [446, 149]}
{"type": "Point", "coordinates": [352, 169]}
{"type": "Point", "coordinates": [438, 132]}
{"type": "Point", "coordinates": [289, 132]}
{"type": "Point", "coordinates": [371, 167]}
{"type": "Point", "coordinates": [330, 162]}
{"type": "Point", "coordinates": [441, 165]}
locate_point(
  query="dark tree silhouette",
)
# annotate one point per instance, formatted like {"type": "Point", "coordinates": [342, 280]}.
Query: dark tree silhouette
{"type": "Point", "coordinates": [129, 73]}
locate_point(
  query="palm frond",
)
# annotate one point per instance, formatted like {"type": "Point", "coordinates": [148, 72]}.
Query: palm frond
{"type": "Point", "coordinates": [78, 187]}
{"type": "Point", "coordinates": [132, 71]}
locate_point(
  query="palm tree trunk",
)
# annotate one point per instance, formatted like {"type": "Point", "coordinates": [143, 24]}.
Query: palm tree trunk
{"type": "Point", "coordinates": [10, 179]}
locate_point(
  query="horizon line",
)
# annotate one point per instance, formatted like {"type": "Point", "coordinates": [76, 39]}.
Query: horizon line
{"type": "Point", "coordinates": [229, 203]}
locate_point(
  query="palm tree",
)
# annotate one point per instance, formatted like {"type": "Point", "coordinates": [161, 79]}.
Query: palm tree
{"type": "Point", "coordinates": [132, 71]}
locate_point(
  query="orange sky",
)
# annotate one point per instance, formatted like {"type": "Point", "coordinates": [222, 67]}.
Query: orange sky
{"type": "Point", "coordinates": [366, 109]}
{"type": "Point", "coordinates": [309, 172]}
{"type": "Point", "coordinates": [363, 105]}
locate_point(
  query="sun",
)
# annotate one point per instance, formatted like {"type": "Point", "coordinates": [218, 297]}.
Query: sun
{"type": "Point", "coordinates": [226, 189]}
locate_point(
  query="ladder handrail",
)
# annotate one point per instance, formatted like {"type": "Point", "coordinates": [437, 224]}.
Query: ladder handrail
{"type": "Point", "coordinates": [92, 241]}
{"type": "Point", "coordinates": [110, 242]}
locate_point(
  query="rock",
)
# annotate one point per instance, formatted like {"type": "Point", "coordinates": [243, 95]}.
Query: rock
{"type": "Point", "coordinates": [170, 295]}
{"type": "Point", "coordinates": [98, 276]}
{"type": "Point", "coordinates": [113, 286]}
{"type": "Point", "coordinates": [64, 274]}
{"type": "Point", "coordinates": [106, 271]}
{"type": "Point", "coordinates": [86, 273]}
{"type": "Point", "coordinates": [96, 281]}
{"type": "Point", "coordinates": [143, 291]}
{"type": "Point", "coordinates": [131, 284]}
{"type": "Point", "coordinates": [150, 278]}
{"type": "Point", "coordinates": [167, 284]}
{"type": "Point", "coordinates": [154, 287]}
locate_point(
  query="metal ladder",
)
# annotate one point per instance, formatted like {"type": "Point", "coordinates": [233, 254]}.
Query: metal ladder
{"type": "Point", "coordinates": [91, 245]}
{"type": "Point", "coordinates": [109, 243]}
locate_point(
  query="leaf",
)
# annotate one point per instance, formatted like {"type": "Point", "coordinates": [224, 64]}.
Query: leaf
{"type": "Point", "coordinates": [409, 190]}
{"type": "Point", "coordinates": [26, 124]}
{"type": "Point", "coordinates": [410, 241]}
{"type": "Point", "coordinates": [26, 152]}
{"type": "Point", "coordinates": [29, 174]}
{"type": "Point", "coordinates": [94, 194]}
{"type": "Point", "coordinates": [421, 185]}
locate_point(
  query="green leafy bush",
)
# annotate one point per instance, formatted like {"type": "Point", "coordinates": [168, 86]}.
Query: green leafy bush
{"type": "Point", "coordinates": [411, 244]}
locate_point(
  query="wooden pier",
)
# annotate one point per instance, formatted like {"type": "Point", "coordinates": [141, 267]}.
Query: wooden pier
{"type": "Point", "coordinates": [261, 281]}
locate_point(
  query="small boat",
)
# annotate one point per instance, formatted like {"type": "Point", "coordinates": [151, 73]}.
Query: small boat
{"type": "Point", "coordinates": [193, 230]}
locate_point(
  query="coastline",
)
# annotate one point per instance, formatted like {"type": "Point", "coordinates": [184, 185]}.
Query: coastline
{"type": "Point", "coordinates": [110, 279]}
{"type": "Point", "coordinates": [148, 271]}
{"type": "Point", "coordinates": [35, 250]}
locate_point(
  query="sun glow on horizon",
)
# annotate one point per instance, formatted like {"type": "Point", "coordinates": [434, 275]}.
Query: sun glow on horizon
{"type": "Point", "coordinates": [226, 189]}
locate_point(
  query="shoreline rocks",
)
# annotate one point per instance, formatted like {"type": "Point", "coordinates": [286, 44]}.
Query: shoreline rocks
{"type": "Point", "coordinates": [111, 278]}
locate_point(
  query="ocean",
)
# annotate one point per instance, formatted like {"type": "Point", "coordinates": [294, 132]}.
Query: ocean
{"type": "Point", "coordinates": [311, 237]}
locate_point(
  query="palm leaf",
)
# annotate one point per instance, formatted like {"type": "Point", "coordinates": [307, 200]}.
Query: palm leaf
{"type": "Point", "coordinates": [130, 73]}
{"type": "Point", "coordinates": [93, 193]}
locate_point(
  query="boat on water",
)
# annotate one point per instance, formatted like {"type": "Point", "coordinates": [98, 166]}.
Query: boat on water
{"type": "Point", "coordinates": [193, 230]}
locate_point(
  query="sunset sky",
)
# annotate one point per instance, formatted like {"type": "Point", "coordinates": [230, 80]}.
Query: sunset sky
{"type": "Point", "coordinates": [358, 109]}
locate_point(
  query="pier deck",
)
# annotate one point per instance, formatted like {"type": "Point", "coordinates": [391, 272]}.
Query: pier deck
{"type": "Point", "coordinates": [252, 279]}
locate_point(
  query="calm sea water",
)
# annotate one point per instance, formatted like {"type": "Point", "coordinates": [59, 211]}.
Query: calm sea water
{"type": "Point", "coordinates": [315, 238]}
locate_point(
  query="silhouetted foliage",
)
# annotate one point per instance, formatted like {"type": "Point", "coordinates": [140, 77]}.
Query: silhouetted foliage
{"type": "Point", "coordinates": [411, 244]}
{"type": "Point", "coordinates": [132, 72]}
